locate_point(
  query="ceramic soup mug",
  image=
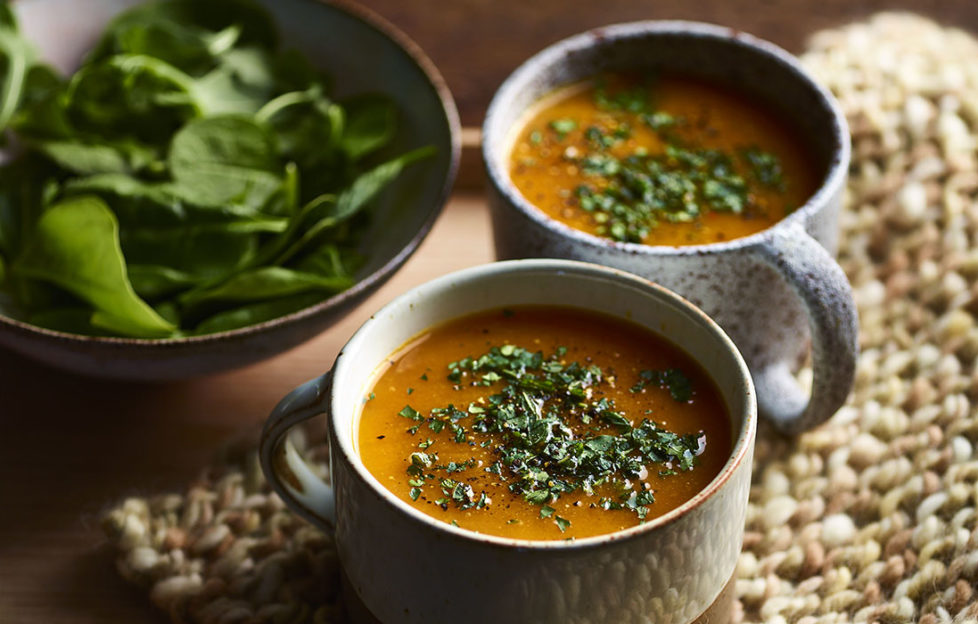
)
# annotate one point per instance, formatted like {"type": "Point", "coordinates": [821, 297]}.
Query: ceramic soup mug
{"type": "Point", "coordinates": [401, 565]}
{"type": "Point", "coordinates": [774, 292]}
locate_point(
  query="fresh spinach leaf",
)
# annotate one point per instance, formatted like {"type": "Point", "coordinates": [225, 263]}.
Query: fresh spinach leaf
{"type": "Point", "coordinates": [171, 312]}
{"type": "Point", "coordinates": [241, 83]}
{"type": "Point", "coordinates": [256, 313]}
{"type": "Point", "coordinates": [25, 187]}
{"type": "Point", "coordinates": [42, 113]}
{"type": "Point", "coordinates": [153, 281]}
{"type": "Point", "coordinates": [306, 124]}
{"type": "Point", "coordinates": [71, 320]}
{"type": "Point", "coordinates": [334, 211]}
{"type": "Point", "coordinates": [131, 95]}
{"type": "Point", "coordinates": [371, 124]}
{"type": "Point", "coordinates": [330, 259]}
{"type": "Point", "coordinates": [267, 283]}
{"type": "Point", "coordinates": [284, 202]}
{"type": "Point", "coordinates": [181, 143]}
{"type": "Point", "coordinates": [7, 17]}
{"type": "Point", "coordinates": [226, 159]}
{"type": "Point", "coordinates": [75, 245]}
{"type": "Point", "coordinates": [146, 204]}
{"type": "Point", "coordinates": [294, 72]}
{"type": "Point", "coordinates": [92, 158]}
{"type": "Point", "coordinates": [189, 48]}
{"type": "Point", "coordinates": [183, 26]}
{"type": "Point", "coordinates": [204, 252]}
{"type": "Point", "coordinates": [368, 185]}
{"type": "Point", "coordinates": [16, 58]}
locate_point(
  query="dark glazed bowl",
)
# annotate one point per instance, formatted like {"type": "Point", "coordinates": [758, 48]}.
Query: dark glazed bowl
{"type": "Point", "coordinates": [364, 53]}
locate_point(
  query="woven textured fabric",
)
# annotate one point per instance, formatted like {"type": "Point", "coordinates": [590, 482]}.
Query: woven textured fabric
{"type": "Point", "coordinates": [869, 518]}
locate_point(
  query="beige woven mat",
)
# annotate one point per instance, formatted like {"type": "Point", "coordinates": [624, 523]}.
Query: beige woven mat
{"type": "Point", "coordinates": [870, 518]}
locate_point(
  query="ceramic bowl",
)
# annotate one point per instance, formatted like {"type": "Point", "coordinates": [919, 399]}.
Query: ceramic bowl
{"type": "Point", "coordinates": [403, 566]}
{"type": "Point", "coordinates": [364, 54]}
{"type": "Point", "coordinates": [778, 293]}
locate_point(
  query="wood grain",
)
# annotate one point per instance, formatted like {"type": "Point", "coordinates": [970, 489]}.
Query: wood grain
{"type": "Point", "coordinates": [477, 43]}
{"type": "Point", "coordinates": [71, 446]}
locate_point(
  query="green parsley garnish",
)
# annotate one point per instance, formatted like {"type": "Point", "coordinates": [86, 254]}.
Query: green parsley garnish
{"type": "Point", "coordinates": [563, 127]}
{"type": "Point", "coordinates": [553, 432]}
{"type": "Point", "coordinates": [633, 193]}
{"type": "Point", "coordinates": [410, 412]}
{"type": "Point", "coordinates": [638, 192]}
{"type": "Point", "coordinates": [678, 384]}
{"type": "Point", "coordinates": [764, 166]}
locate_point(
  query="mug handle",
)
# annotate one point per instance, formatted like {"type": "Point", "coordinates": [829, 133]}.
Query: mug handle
{"type": "Point", "coordinates": [826, 295]}
{"type": "Point", "coordinates": [288, 474]}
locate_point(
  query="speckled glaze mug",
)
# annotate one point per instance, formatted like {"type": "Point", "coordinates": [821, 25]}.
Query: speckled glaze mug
{"type": "Point", "coordinates": [774, 292]}
{"type": "Point", "coordinates": [403, 566]}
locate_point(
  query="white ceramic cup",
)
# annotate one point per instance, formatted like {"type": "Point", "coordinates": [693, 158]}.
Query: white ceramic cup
{"type": "Point", "coordinates": [401, 565]}
{"type": "Point", "coordinates": [775, 292]}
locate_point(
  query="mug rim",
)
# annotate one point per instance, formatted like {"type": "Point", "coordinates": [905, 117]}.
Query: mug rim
{"type": "Point", "coordinates": [559, 53]}
{"type": "Point", "coordinates": [342, 438]}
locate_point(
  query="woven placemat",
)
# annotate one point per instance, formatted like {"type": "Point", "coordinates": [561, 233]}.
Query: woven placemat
{"type": "Point", "coordinates": [869, 518]}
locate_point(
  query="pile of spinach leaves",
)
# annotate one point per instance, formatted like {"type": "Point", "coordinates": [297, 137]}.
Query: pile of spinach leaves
{"type": "Point", "coordinates": [191, 177]}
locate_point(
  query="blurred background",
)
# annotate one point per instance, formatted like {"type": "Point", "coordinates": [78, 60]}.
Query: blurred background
{"type": "Point", "coordinates": [497, 36]}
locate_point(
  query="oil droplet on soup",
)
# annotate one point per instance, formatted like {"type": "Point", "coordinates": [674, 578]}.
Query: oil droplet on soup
{"type": "Point", "coordinates": [666, 161]}
{"type": "Point", "coordinates": [543, 423]}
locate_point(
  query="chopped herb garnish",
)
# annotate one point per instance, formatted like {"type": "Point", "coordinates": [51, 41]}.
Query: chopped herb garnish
{"type": "Point", "coordinates": [410, 412]}
{"type": "Point", "coordinates": [627, 194]}
{"type": "Point", "coordinates": [635, 100]}
{"type": "Point", "coordinates": [658, 120]}
{"type": "Point", "coordinates": [562, 127]}
{"type": "Point", "coordinates": [640, 191]}
{"type": "Point", "coordinates": [765, 167]}
{"type": "Point", "coordinates": [678, 384]}
{"type": "Point", "coordinates": [410, 391]}
{"type": "Point", "coordinates": [553, 433]}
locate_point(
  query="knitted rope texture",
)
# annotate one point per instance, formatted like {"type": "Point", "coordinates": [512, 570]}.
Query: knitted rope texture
{"type": "Point", "coordinates": [869, 518]}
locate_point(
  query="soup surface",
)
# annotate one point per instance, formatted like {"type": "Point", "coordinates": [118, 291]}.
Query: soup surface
{"type": "Point", "coordinates": [543, 423]}
{"type": "Point", "coordinates": [666, 161]}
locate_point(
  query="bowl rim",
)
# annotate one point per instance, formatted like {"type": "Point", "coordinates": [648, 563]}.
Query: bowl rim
{"type": "Point", "coordinates": [562, 53]}
{"type": "Point", "coordinates": [742, 442]}
{"type": "Point", "coordinates": [362, 287]}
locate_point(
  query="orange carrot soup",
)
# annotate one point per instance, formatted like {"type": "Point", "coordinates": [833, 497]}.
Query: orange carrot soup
{"type": "Point", "coordinates": [543, 423]}
{"type": "Point", "coordinates": [668, 161]}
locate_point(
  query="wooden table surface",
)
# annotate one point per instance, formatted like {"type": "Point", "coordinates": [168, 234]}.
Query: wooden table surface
{"type": "Point", "coordinates": [477, 43]}
{"type": "Point", "coordinates": [70, 446]}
